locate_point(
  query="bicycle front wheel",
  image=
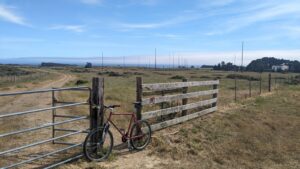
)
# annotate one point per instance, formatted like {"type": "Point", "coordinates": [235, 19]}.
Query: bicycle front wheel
{"type": "Point", "coordinates": [98, 145]}
{"type": "Point", "coordinates": [140, 135]}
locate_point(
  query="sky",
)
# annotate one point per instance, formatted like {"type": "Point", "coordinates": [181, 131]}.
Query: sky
{"type": "Point", "coordinates": [190, 31]}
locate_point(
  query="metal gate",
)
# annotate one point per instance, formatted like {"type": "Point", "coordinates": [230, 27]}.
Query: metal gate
{"type": "Point", "coordinates": [43, 152]}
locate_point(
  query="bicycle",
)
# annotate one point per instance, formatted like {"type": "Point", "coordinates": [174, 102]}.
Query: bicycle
{"type": "Point", "coordinates": [99, 142]}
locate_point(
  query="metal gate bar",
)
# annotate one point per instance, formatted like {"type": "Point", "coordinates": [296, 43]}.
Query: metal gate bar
{"type": "Point", "coordinates": [72, 118]}
{"type": "Point", "coordinates": [65, 161]}
{"type": "Point", "coordinates": [82, 88]}
{"type": "Point", "coordinates": [38, 143]}
{"type": "Point", "coordinates": [43, 126]}
{"type": "Point", "coordinates": [41, 110]}
{"type": "Point", "coordinates": [43, 156]}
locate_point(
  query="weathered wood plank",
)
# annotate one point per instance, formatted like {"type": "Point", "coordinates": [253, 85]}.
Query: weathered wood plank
{"type": "Point", "coordinates": [157, 113]}
{"type": "Point", "coordinates": [175, 85]}
{"type": "Point", "coordinates": [168, 123]}
{"type": "Point", "coordinates": [151, 93]}
{"type": "Point", "coordinates": [160, 99]}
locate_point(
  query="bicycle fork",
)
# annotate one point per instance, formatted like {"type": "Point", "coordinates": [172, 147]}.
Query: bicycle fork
{"type": "Point", "coordinates": [104, 132]}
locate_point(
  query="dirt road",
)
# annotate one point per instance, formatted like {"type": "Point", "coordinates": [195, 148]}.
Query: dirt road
{"type": "Point", "coordinates": [37, 99]}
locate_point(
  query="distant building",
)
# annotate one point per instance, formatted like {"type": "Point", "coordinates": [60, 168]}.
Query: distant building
{"type": "Point", "coordinates": [88, 65]}
{"type": "Point", "coordinates": [282, 67]}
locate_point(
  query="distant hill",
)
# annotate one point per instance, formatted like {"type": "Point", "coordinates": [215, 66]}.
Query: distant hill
{"type": "Point", "coordinates": [51, 64]}
{"type": "Point", "coordinates": [207, 66]}
{"type": "Point", "coordinates": [266, 63]}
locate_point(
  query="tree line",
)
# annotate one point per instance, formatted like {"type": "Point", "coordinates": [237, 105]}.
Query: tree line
{"type": "Point", "coordinates": [260, 65]}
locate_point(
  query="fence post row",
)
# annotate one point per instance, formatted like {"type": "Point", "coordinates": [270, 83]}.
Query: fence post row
{"type": "Point", "coordinates": [96, 103]}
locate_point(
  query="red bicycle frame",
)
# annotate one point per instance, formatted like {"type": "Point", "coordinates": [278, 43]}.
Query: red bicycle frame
{"type": "Point", "coordinates": [125, 134]}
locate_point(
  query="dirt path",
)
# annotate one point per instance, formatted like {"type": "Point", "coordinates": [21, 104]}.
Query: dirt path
{"type": "Point", "coordinates": [37, 99]}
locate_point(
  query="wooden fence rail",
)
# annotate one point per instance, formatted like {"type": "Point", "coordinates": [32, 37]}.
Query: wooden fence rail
{"type": "Point", "coordinates": [201, 107]}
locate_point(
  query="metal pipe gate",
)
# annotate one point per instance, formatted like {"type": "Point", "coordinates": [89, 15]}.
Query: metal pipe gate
{"type": "Point", "coordinates": [67, 119]}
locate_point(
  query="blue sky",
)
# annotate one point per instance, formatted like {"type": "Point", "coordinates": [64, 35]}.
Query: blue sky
{"type": "Point", "coordinates": [199, 31]}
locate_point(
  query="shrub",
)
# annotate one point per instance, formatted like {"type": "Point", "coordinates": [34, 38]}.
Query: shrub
{"type": "Point", "coordinates": [116, 74]}
{"type": "Point", "coordinates": [239, 76]}
{"type": "Point", "coordinates": [81, 82]}
{"type": "Point", "coordinates": [111, 73]}
{"type": "Point", "coordinates": [177, 77]}
{"type": "Point", "coordinates": [204, 77]}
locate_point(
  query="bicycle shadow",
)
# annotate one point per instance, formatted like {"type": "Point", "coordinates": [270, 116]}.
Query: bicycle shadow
{"type": "Point", "coordinates": [122, 149]}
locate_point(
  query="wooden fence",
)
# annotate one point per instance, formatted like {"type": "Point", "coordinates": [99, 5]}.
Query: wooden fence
{"type": "Point", "coordinates": [157, 93]}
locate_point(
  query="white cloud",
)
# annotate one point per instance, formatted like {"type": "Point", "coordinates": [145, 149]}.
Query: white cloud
{"type": "Point", "coordinates": [264, 12]}
{"type": "Point", "coordinates": [169, 36]}
{"type": "Point", "coordinates": [186, 17]}
{"type": "Point", "coordinates": [7, 14]}
{"type": "Point", "coordinates": [72, 28]}
{"type": "Point", "coordinates": [92, 2]}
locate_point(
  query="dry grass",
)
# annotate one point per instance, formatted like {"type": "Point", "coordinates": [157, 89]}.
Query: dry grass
{"type": "Point", "coordinates": [258, 133]}
{"type": "Point", "coordinates": [236, 137]}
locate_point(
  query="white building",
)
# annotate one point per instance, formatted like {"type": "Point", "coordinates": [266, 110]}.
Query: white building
{"type": "Point", "coordinates": [282, 67]}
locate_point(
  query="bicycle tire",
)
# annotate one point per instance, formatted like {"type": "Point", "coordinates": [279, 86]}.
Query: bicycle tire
{"type": "Point", "coordinates": [135, 131]}
{"type": "Point", "coordinates": [95, 156]}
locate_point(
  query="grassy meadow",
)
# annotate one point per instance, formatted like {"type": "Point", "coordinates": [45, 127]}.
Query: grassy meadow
{"type": "Point", "coordinates": [261, 128]}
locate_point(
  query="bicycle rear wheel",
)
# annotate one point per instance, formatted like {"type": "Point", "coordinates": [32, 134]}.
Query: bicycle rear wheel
{"type": "Point", "coordinates": [140, 135]}
{"type": "Point", "coordinates": [98, 146]}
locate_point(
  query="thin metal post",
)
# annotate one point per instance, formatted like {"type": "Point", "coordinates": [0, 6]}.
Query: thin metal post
{"type": "Point", "coordinates": [53, 114]}
{"type": "Point", "coordinates": [260, 83]}
{"type": "Point", "coordinates": [250, 87]}
{"type": "Point", "coordinates": [235, 89]}
{"type": "Point", "coordinates": [270, 83]}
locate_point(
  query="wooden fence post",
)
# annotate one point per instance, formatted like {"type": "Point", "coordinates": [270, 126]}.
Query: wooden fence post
{"type": "Point", "coordinates": [97, 103]}
{"type": "Point", "coordinates": [260, 83]}
{"type": "Point", "coordinates": [215, 95]}
{"type": "Point", "coordinates": [184, 101]}
{"type": "Point", "coordinates": [139, 95]}
{"type": "Point", "coordinates": [250, 87]}
{"type": "Point", "coordinates": [162, 105]}
{"type": "Point", "coordinates": [235, 89]}
{"type": "Point", "coordinates": [270, 84]}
